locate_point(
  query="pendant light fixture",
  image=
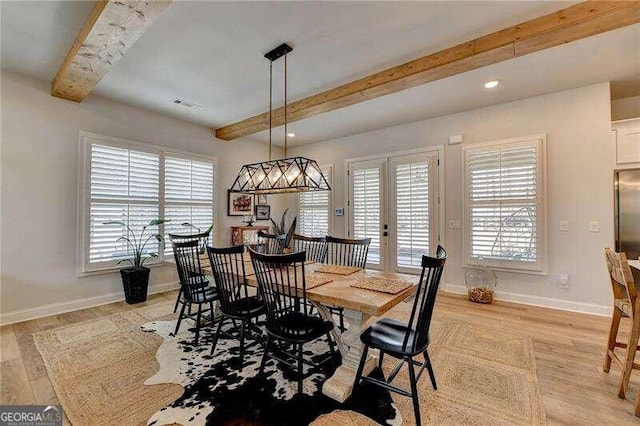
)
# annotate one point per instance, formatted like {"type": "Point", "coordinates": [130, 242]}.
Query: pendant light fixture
{"type": "Point", "coordinates": [295, 174]}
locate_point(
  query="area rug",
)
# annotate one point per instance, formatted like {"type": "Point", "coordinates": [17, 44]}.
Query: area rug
{"type": "Point", "coordinates": [98, 368]}
{"type": "Point", "coordinates": [218, 393]}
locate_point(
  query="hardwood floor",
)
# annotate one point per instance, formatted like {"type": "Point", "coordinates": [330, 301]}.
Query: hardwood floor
{"type": "Point", "coordinates": [569, 352]}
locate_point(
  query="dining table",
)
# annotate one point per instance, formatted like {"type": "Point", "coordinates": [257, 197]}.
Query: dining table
{"type": "Point", "coordinates": [360, 307]}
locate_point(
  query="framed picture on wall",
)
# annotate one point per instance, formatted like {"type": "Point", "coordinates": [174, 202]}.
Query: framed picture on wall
{"type": "Point", "coordinates": [263, 212]}
{"type": "Point", "coordinates": [239, 204]}
{"type": "Point", "coordinates": [262, 199]}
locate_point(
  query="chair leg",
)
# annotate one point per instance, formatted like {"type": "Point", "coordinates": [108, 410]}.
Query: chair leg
{"type": "Point", "coordinates": [264, 354]}
{"type": "Point", "coordinates": [365, 352]}
{"type": "Point", "coordinates": [331, 345]}
{"type": "Point", "coordinates": [613, 334]}
{"type": "Point", "coordinates": [175, 332]}
{"type": "Point", "coordinates": [242, 344]}
{"type": "Point", "coordinates": [217, 335]}
{"type": "Point", "coordinates": [629, 358]}
{"type": "Point", "coordinates": [341, 313]}
{"type": "Point", "coordinates": [198, 323]}
{"type": "Point", "coordinates": [380, 359]}
{"type": "Point", "coordinates": [432, 376]}
{"type": "Point", "coordinates": [300, 370]}
{"type": "Point", "coordinates": [414, 391]}
{"type": "Point", "coordinates": [175, 307]}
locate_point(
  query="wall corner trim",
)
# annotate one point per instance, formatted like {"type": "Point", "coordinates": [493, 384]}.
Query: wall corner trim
{"type": "Point", "coordinates": [545, 302]}
{"type": "Point", "coordinates": [7, 318]}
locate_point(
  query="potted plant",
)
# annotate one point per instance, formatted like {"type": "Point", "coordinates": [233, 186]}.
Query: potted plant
{"type": "Point", "coordinates": [135, 279]}
{"type": "Point", "coordinates": [282, 230]}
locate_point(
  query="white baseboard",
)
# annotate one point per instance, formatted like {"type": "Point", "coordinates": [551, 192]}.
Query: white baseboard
{"type": "Point", "coordinates": [74, 305]}
{"type": "Point", "coordinates": [545, 302]}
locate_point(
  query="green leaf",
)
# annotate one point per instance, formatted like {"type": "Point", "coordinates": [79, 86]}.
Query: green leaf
{"type": "Point", "coordinates": [156, 222]}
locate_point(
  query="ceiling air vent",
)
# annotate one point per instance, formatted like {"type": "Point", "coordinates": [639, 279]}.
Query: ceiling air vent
{"type": "Point", "coordinates": [187, 104]}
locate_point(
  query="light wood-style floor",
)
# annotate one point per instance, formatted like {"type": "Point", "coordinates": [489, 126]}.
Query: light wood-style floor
{"type": "Point", "coordinates": [569, 351]}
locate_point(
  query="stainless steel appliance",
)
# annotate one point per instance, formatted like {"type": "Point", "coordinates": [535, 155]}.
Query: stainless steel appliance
{"type": "Point", "coordinates": [627, 212]}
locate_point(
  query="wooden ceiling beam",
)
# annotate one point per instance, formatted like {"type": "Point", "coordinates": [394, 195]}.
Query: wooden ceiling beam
{"type": "Point", "coordinates": [111, 29]}
{"type": "Point", "coordinates": [570, 24]}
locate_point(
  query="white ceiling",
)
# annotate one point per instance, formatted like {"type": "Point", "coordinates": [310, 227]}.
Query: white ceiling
{"type": "Point", "coordinates": [210, 53]}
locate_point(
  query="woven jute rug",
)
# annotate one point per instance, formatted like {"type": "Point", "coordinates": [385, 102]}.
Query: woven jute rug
{"type": "Point", "coordinates": [98, 368]}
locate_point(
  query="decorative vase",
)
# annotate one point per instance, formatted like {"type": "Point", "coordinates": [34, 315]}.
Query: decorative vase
{"type": "Point", "coordinates": [481, 283]}
{"type": "Point", "coordinates": [135, 283]}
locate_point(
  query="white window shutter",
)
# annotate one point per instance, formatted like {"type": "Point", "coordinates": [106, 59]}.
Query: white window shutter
{"type": "Point", "coordinates": [366, 209]}
{"type": "Point", "coordinates": [412, 213]}
{"type": "Point", "coordinates": [313, 210]}
{"type": "Point", "coordinates": [504, 195]}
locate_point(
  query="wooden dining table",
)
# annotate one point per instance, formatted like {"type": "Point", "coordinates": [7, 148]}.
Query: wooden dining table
{"type": "Point", "coordinates": [360, 306]}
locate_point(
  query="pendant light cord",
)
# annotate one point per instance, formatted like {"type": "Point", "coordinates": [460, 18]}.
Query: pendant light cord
{"type": "Point", "coordinates": [270, 103]}
{"type": "Point", "coordinates": [285, 106]}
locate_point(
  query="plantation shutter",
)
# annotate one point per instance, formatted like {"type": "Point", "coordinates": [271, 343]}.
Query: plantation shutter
{"type": "Point", "coordinates": [313, 210]}
{"type": "Point", "coordinates": [188, 196]}
{"type": "Point", "coordinates": [366, 205]}
{"type": "Point", "coordinates": [504, 195]}
{"type": "Point", "coordinates": [413, 221]}
{"type": "Point", "coordinates": [124, 186]}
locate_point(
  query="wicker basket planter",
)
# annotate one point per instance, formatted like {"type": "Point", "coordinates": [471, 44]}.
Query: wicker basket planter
{"type": "Point", "coordinates": [481, 283]}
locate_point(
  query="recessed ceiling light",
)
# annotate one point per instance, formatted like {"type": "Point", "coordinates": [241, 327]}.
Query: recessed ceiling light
{"type": "Point", "coordinates": [491, 84]}
{"type": "Point", "coordinates": [291, 135]}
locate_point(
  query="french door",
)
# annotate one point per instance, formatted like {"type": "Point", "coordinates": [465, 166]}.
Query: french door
{"type": "Point", "coordinates": [394, 201]}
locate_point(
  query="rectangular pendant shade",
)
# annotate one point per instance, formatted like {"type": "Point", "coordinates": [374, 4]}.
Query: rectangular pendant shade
{"type": "Point", "coordinates": [295, 174]}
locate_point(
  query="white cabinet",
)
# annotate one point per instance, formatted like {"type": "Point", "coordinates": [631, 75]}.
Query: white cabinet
{"type": "Point", "coordinates": [627, 141]}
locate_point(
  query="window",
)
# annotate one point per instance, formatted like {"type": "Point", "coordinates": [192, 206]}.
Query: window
{"type": "Point", "coordinates": [123, 181]}
{"type": "Point", "coordinates": [505, 210]}
{"type": "Point", "coordinates": [366, 205]}
{"type": "Point", "coordinates": [188, 195]}
{"type": "Point", "coordinates": [314, 216]}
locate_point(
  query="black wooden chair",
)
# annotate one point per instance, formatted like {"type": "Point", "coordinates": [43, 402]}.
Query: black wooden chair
{"type": "Point", "coordinates": [194, 284]}
{"type": "Point", "coordinates": [404, 341]}
{"type": "Point", "coordinates": [316, 247]}
{"type": "Point", "coordinates": [235, 302]}
{"type": "Point", "coordinates": [270, 243]}
{"type": "Point", "coordinates": [346, 252]}
{"type": "Point", "coordinates": [181, 238]}
{"type": "Point", "coordinates": [282, 286]}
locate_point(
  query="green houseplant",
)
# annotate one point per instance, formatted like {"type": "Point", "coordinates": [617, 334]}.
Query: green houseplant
{"type": "Point", "coordinates": [135, 278]}
{"type": "Point", "coordinates": [285, 246]}
{"type": "Point", "coordinates": [204, 235]}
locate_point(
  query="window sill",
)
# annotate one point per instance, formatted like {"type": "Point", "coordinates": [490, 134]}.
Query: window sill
{"type": "Point", "coordinates": [507, 270]}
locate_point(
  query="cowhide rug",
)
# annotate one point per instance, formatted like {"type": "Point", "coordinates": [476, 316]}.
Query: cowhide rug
{"type": "Point", "coordinates": [217, 393]}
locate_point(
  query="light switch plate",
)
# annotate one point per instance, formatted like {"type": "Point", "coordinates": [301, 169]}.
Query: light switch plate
{"type": "Point", "coordinates": [594, 226]}
{"type": "Point", "coordinates": [563, 225]}
{"type": "Point", "coordinates": [454, 224]}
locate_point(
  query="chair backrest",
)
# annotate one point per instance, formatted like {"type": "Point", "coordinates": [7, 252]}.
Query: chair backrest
{"type": "Point", "coordinates": [270, 243]}
{"type": "Point", "coordinates": [316, 247]}
{"type": "Point", "coordinates": [229, 274]}
{"type": "Point", "coordinates": [192, 278]}
{"type": "Point", "coordinates": [622, 281]}
{"type": "Point", "coordinates": [282, 286]}
{"type": "Point", "coordinates": [201, 237]}
{"type": "Point", "coordinates": [424, 301]}
{"type": "Point", "coordinates": [346, 252]}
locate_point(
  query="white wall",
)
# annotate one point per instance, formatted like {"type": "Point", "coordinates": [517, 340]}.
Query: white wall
{"type": "Point", "coordinates": [39, 176]}
{"type": "Point", "coordinates": [625, 108]}
{"type": "Point", "coordinates": [580, 185]}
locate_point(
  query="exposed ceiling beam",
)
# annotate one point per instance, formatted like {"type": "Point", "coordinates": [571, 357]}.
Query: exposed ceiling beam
{"type": "Point", "coordinates": [111, 29]}
{"type": "Point", "coordinates": [576, 22]}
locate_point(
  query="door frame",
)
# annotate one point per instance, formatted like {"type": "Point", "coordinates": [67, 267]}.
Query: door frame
{"type": "Point", "coordinates": [439, 149]}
